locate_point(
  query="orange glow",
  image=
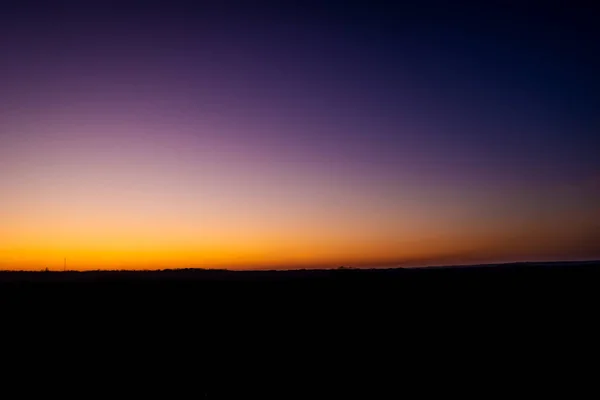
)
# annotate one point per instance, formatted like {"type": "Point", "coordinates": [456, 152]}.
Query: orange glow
{"type": "Point", "coordinates": [151, 208]}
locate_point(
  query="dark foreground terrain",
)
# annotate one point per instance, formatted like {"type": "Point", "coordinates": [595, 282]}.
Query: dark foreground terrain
{"type": "Point", "coordinates": [567, 269]}
{"type": "Point", "coordinates": [339, 287]}
{"type": "Point", "coordinates": [297, 332]}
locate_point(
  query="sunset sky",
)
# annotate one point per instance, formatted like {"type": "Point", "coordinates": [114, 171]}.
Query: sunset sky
{"type": "Point", "coordinates": [167, 134]}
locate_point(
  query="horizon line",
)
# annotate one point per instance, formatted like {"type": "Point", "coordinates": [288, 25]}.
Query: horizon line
{"type": "Point", "coordinates": [342, 267]}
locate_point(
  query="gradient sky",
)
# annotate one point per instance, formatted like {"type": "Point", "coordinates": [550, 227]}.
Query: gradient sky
{"type": "Point", "coordinates": [153, 135]}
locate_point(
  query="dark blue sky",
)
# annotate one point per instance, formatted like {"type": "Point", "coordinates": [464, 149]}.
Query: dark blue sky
{"type": "Point", "coordinates": [517, 78]}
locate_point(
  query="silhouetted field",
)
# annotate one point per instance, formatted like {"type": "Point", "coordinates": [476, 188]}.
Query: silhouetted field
{"type": "Point", "coordinates": [297, 333]}
{"type": "Point", "coordinates": [513, 270]}
{"type": "Point", "coordinates": [342, 289]}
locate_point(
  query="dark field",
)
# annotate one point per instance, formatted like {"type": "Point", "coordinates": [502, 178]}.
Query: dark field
{"type": "Point", "coordinates": [330, 331]}
{"type": "Point", "coordinates": [522, 269]}
{"type": "Point", "coordinates": [316, 290]}
{"type": "Point", "coordinates": [307, 298]}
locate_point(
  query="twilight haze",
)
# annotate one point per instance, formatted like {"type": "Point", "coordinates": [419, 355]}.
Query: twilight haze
{"type": "Point", "coordinates": [164, 135]}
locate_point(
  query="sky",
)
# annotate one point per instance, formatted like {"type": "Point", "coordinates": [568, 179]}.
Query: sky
{"type": "Point", "coordinates": [298, 134]}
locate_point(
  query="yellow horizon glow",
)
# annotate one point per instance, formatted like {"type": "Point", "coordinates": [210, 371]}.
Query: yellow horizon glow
{"type": "Point", "coordinates": [159, 208]}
